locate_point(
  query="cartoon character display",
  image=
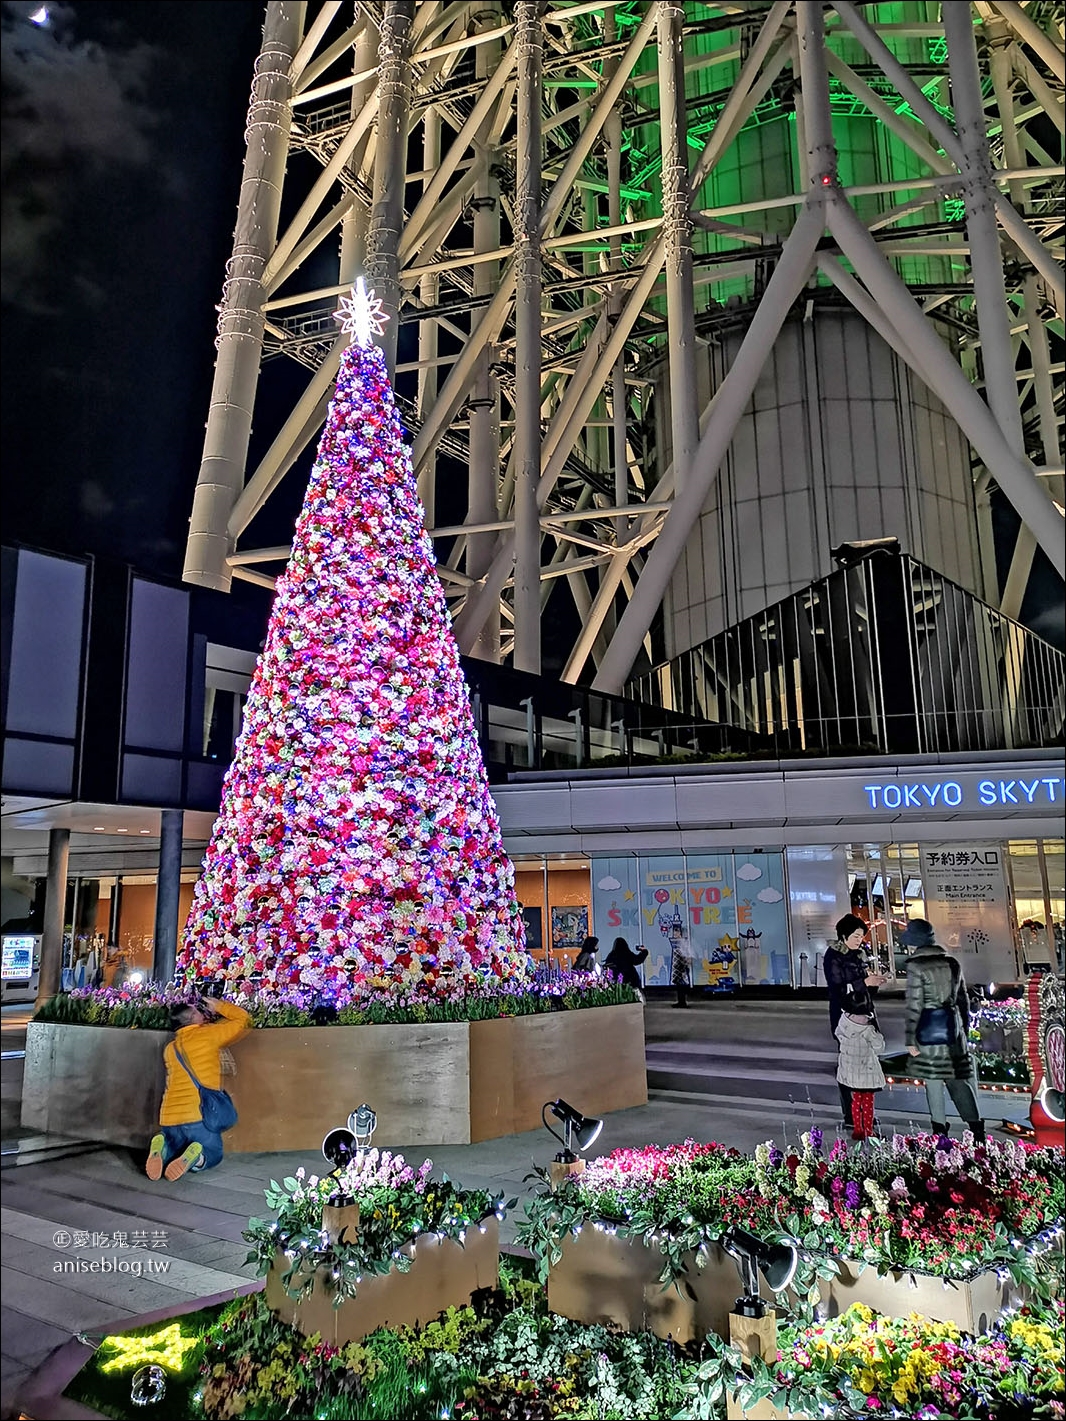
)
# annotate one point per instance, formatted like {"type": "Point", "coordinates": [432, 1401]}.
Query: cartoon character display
{"type": "Point", "coordinates": [754, 963]}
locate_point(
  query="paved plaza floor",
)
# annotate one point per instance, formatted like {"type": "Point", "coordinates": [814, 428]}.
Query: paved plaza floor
{"type": "Point", "coordinates": [739, 1072]}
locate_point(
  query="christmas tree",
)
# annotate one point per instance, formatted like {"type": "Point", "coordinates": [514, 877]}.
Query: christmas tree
{"type": "Point", "coordinates": [357, 840]}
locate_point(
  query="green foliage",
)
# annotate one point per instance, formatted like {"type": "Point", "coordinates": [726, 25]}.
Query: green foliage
{"type": "Point", "coordinates": [507, 1356]}
{"type": "Point", "coordinates": [397, 1207]}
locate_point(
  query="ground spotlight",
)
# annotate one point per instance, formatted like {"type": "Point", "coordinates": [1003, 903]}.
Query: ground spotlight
{"type": "Point", "coordinates": [339, 1147]}
{"type": "Point", "coordinates": [346, 1141]}
{"type": "Point", "coordinates": [362, 1123]}
{"type": "Point", "coordinates": [775, 1261]}
{"type": "Point", "coordinates": [580, 1130]}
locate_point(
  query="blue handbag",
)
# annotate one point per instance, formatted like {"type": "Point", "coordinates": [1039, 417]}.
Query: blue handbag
{"type": "Point", "coordinates": [938, 1026]}
{"type": "Point", "coordinates": [217, 1110]}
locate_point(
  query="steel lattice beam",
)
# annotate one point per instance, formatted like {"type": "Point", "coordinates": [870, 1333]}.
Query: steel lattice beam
{"type": "Point", "coordinates": [525, 184]}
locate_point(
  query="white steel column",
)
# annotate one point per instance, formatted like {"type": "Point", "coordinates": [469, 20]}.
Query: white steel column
{"type": "Point", "coordinates": [986, 265]}
{"type": "Point", "coordinates": [429, 293]}
{"type": "Point", "coordinates": [529, 45]}
{"type": "Point", "coordinates": [982, 229]}
{"type": "Point", "coordinates": [677, 228]}
{"type": "Point", "coordinates": [240, 322]}
{"type": "Point", "coordinates": [390, 166]}
{"type": "Point", "coordinates": [484, 402]}
{"type": "Point", "coordinates": [357, 220]}
{"type": "Point", "coordinates": [789, 278]}
{"type": "Point", "coordinates": [612, 132]}
{"type": "Point", "coordinates": [1015, 476]}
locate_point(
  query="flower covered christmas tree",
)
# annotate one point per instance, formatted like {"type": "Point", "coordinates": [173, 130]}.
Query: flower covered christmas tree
{"type": "Point", "coordinates": [357, 840]}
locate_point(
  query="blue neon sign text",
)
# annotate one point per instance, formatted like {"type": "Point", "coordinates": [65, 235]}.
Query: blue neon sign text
{"type": "Point", "coordinates": [950, 794]}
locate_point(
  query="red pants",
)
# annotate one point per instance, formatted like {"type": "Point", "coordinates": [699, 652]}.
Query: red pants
{"type": "Point", "coordinates": [862, 1114]}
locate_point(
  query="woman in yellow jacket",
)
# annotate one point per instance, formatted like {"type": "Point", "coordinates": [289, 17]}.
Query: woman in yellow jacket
{"type": "Point", "coordinates": [184, 1142]}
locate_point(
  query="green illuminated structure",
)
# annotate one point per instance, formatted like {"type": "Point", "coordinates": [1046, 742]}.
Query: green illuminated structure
{"type": "Point", "coordinates": [684, 295]}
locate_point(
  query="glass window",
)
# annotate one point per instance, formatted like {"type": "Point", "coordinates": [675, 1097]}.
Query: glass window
{"type": "Point", "coordinates": [1035, 937]}
{"type": "Point", "coordinates": [1055, 870]}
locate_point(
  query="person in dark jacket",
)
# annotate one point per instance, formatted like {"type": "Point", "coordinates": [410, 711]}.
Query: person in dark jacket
{"type": "Point", "coordinates": [935, 980]}
{"type": "Point", "coordinates": [623, 961]}
{"type": "Point", "coordinates": [585, 961]}
{"type": "Point", "coordinates": [845, 970]}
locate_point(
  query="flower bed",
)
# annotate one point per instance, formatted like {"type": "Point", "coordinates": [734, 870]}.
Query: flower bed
{"type": "Point", "coordinates": [507, 1356]}
{"type": "Point", "coordinates": [916, 1368]}
{"type": "Point", "coordinates": [148, 1005]}
{"type": "Point", "coordinates": [899, 1205]}
{"type": "Point", "coordinates": [408, 1258]}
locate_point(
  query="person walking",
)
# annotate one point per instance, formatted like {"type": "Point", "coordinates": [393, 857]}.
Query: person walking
{"type": "Point", "coordinates": [938, 1028]}
{"type": "Point", "coordinates": [624, 960]}
{"type": "Point", "coordinates": [859, 1061]}
{"type": "Point", "coordinates": [585, 961]}
{"type": "Point", "coordinates": [681, 967]}
{"type": "Point", "coordinates": [845, 970]}
{"type": "Point", "coordinates": [193, 1059]}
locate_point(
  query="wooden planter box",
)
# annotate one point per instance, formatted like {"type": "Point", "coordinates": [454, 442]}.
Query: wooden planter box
{"type": "Point", "coordinates": [608, 1279]}
{"type": "Point", "coordinates": [93, 1082]}
{"type": "Point", "coordinates": [444, 1274]}
{"type": "Point", "coordinates": [973, 1305]}
{"type": "Point", "coordinates": [447, 1084]}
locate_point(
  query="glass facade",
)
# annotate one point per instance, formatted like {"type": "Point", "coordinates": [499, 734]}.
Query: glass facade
{"type": "Point", "coordinates": [764, 919]}
{"type": "Point", "coordinates": [885, 656]}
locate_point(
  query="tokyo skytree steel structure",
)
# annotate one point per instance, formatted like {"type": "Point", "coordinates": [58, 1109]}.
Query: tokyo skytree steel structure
{"type": "Point", "coordinates": [631, 250]}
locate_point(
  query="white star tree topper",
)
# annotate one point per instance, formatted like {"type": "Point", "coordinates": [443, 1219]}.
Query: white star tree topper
{"type": "Point", "coordinates": [361, 315]}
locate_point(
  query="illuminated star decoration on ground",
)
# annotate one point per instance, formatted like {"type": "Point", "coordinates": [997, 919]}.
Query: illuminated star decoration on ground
{"type": "Point", "coordinates": [361, 315]}
{"type": "Point", "coordinates": [165, 1348]}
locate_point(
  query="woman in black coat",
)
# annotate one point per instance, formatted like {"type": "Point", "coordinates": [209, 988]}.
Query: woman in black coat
{"type": "Point", "coordinates": [623, 960]}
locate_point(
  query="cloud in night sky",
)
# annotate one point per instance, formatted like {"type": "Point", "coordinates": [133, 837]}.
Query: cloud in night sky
{"type": "Point", "coordinates": [70, 108]}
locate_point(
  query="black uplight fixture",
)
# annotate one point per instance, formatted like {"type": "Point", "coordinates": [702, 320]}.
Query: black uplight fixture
{"type": "Point", "coordinates": [580, 1130]}
{"type": "Point", "coordinates": [776, 1262]}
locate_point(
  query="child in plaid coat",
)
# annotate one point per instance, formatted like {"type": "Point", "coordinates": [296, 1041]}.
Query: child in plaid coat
{"type": "Point", "coordinates": [859, 1065]}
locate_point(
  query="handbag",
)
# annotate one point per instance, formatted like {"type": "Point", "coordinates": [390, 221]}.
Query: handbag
{"type": "Point", "coordinates": [938, 1026]}
{"type": "Point", "coordinates": [217, 1110]}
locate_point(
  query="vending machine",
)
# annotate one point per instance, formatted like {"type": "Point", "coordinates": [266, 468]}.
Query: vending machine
{"type": "Point", "coordinates": [20, 967]}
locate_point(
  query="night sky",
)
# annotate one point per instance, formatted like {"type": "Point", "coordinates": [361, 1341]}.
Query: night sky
{"type": "Point", "coordinates": [123, 138]}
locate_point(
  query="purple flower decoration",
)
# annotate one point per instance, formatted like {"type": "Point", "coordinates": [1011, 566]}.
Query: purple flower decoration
{"type": "Point", "coordinates": [816, 1139]}
{"type": "Point", "coordinates": [776, 1157]}
{"type": "Point", "coordinates": [852, 1194]}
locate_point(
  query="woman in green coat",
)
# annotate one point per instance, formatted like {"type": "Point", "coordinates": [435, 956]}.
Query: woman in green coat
{"type": "Point", "coordinates": [935, 980]}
